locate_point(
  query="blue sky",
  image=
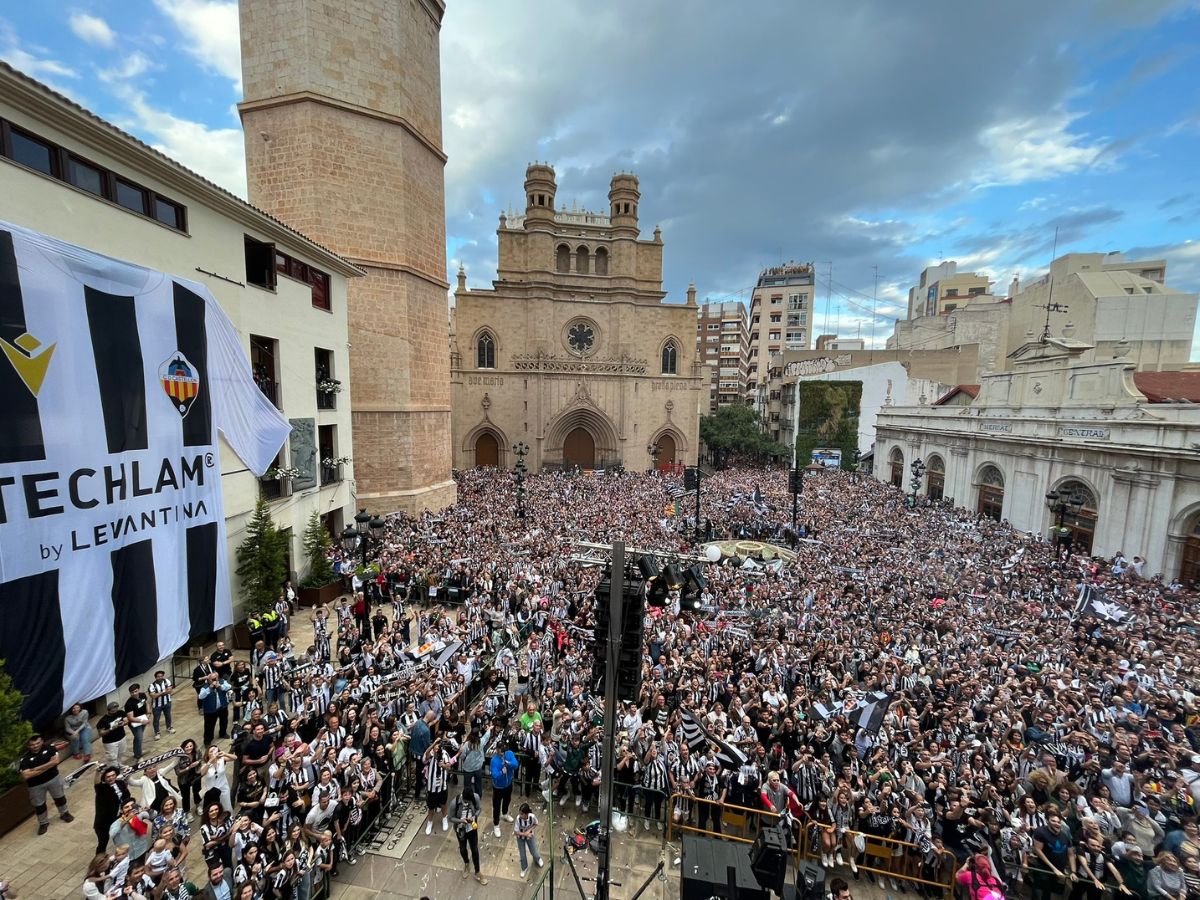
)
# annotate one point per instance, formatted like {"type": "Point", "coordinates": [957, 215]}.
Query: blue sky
{"type": "Point", "coordinates": [874, 135]}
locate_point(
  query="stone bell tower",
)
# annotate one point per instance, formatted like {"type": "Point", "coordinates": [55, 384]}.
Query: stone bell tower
{"type": "Point", "coordinates": [343, 129]}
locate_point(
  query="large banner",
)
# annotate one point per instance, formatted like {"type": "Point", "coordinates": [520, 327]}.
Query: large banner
{"type": "Point", "coordinates": [113, 381]}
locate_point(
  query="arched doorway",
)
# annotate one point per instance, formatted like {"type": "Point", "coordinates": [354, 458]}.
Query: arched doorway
{"type": "Point", "coordinates": [935, 480]}
{"type": "Point", "coordinates": [579, 449]}
{"type": "Point", "coordinates": [991, 493]}
{"type": "Point", "coordinates": [487, 450]}
{"type": "Point", "coordinates": [1189, 565]}
{"type": "Point", "coordinates": [1081, 526]}
{"type": "Point", "coordinates": [666, 450]}
{"type": "Point", "coordinates": [896, 462]}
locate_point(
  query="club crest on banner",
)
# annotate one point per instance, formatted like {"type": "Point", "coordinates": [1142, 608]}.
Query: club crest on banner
{"type": "Point", "coordinates": [180, 381]}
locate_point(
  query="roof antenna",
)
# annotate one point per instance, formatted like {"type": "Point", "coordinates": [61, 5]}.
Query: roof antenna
{"type": "Point", "coordinates": [1050, 305]}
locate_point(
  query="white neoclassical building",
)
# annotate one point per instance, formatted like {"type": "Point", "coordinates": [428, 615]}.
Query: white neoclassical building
{"type": "Point", "coordinates": [1124, 445]}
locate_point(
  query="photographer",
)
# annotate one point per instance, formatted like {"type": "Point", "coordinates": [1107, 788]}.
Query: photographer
{"type": "Point", "coordinates": [466, 829]}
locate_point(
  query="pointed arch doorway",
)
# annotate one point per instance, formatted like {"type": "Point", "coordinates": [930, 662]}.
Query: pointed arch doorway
{"type": "Point", "coordinates": [579, 449]}
{"type": "Point", "coordinates": [487, 451]}
{"type": "Point", "coordinates": [666, 451]}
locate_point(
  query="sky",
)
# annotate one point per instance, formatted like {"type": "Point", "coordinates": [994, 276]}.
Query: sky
{"type": "Point", "coordinates": [873, 136]}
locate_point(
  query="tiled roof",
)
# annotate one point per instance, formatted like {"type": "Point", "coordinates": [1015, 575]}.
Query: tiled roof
{"type": "Point", "coordinates": [1165, 387]}
{"type": "Point", "coordinates": [971, 390]}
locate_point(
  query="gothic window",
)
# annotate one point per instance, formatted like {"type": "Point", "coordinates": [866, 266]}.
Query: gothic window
{"type": "Point", "coordinates": [581, 260]}
{"type": "Point", "coordinates": [562, 261]}
{"type": "Point", "coordinates": [601, 261]}
{"type": "Point", "coordinates": [485, 351]}
{"type": "Point", "coordinates": [670, 358]}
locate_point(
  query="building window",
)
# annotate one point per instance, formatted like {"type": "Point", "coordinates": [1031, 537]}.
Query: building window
{"type": "Point", "coordinates": [317, 280]}
{"type": "Point", "coordinates": [327, 385]}
{"type": "Point", "coordinates": [485, 351]}
{"type": "Point", "coordinates": [130, 196]}
{"type": "Point", "coordinates": [670, 358]}
{"type": "Point", "coordinates": [581, 260]}
{"type": "Point", "coordinates": [260, 263]}
{"type": "Point", "coordinates": [31, 151]}
{"type": "Point", "coordinates": [601, 261]}
{"type": "Point", "coordinates": [85, 175]}
{"type": "Point", "coordinates": [50, 159]}
{"type": "Point", "coordinates": [264, 365]}
{"type": "Point", "coordinates": [562, 259]}
{"type": "Point", "coordinates": [331, 469]}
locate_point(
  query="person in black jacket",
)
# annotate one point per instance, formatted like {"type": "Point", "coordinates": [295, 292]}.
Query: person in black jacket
{"type": "Point", "coordinates": [111, 792]}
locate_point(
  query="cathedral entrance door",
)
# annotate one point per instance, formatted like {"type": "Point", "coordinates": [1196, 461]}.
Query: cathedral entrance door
{"type": "Point", "coordinates": [487, 451]}
{"type": "Point", "coordinates": [666, 451]}
{"type": "Point", "coordinates": [579, 449]}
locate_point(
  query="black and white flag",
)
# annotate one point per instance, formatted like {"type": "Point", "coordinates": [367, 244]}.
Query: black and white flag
{"type": "Point", "coordinates": [114, 381]}
{"type": "Point", "coordinates": [698, 738]}
{"type": "Point", "coordinates": [1093, 602]}
{"type": "Point", "coordinates": [871, 710]}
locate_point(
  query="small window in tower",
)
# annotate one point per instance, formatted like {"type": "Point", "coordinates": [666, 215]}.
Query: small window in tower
{"type": "Point", "coordinates": [562, 260]}
{"type": "Point", "coordinates": [670, 358]}
{"type": "Point", "coordinates": [581, 261]}
{"type": "Point", "coordinates": [485, 357]}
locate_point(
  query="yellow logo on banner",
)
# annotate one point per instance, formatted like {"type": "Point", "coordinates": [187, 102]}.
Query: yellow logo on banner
{"type": "Point", "coordinates": [30, 362]}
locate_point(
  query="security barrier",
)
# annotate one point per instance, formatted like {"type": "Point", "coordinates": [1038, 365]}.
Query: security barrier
{"type": "Point", "coordinates": [882, 856]}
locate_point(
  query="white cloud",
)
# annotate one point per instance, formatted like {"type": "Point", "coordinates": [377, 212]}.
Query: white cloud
{"type": "Point", "coordinates": [1034, 149]}
{"type": "Point", "coordinates": [133, 65]}
{"type": "Point", "coordinates": [92, 29]}
{"type": "Point", "coordinates": [32, 64]}
{"type": "Point", "coordinates": [216, 153]}
{"type": "Point", "coordinates": [211, 33]}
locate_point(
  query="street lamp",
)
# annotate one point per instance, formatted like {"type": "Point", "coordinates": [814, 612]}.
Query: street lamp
{"type": "Point", "coordinates": [1060, 504]}
{"type": "Point", "coordinates": [520, 449]}
{"type": "Point", "coordinates": [918, 472]}
{"type": "Point", "coordinates": [652, 450]}
{"type": "Point", "coordinates": [365, 531]}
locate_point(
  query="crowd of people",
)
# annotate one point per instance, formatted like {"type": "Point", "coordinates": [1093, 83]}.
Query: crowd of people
{"type": "Point", "coordinates": [1025, 744]}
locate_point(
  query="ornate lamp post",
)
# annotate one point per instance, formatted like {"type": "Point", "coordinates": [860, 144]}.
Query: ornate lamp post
{"type": "Point", "coordinates": [918, 472]}
{"type": "Point", "coordinates": [652, 451]}
{"type": "Point", "coordinates": [1059, 505]}
{"type": "Point", "coordinates": [520, 449]}
{"type": "Point", "coordinates": [365, 531]}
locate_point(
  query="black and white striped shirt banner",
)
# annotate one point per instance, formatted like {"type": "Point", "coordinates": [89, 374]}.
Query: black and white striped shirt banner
{"type": "Point", "coordinates": [113, 380]}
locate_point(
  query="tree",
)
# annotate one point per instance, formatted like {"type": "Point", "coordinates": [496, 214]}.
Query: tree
{"type": "Point", "coordinates": [316, 549]}
{"type": "Point", "coordinates": [736, 430]}
{"type": "Point", "coordinates": [262, 561]}
{"type": "Point", "coordinates": [15, 732]}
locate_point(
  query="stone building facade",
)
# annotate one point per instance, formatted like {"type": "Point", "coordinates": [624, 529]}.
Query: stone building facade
{"type": "Point", "coordinates": [1121, 441]}
{"type": "Point", "coordinates": [342, 117]}
{"type": "Point", "coordinates": [573, 351]}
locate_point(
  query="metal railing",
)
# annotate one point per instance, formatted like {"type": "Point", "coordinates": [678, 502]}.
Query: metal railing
{"type": "Point", "coordinates": [904, 860]}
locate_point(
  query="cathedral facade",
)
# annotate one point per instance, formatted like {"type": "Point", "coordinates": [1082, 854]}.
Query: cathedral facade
{"type": "Point", "coordinates": [573, 351]}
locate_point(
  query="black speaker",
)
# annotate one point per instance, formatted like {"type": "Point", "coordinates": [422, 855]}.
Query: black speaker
{"type": "Point", "coordinates": [768, 858]}
{"type": "Point", "coordinates": [715, 868]}
{"type": "Point", "coordinates": [795, 482]}
{"type": "Point", "coordinates": [810, 881]}
{"type": "Point", "coordinates": [690, 479]}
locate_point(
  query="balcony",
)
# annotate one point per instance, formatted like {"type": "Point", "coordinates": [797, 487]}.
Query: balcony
{"type": "Point", "coordinates": [270, 390]}
{"type": "Point", "coordinates": [275, 488]}
{"type": "Point", "coordinates": [331, 474]}
{"type": "Point", "coordinates": [326, 400]}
